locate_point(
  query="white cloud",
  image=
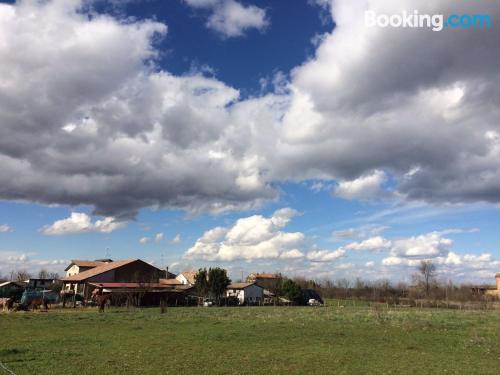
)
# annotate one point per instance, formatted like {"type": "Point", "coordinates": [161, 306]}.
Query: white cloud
{"type": "Point", "coordinates": [82, 223]}
{"type": "Point", "coordinates": [132, 127]}
{"type": "Point", "coordinates": [177, 239]}
{"type": "Point", "coordinates": [370, 264]}
{"type": "Point", "coordinates": [371, 244]}
{"type": "Point", "coordinates": [230, 18]}
{"type": "Point", "coordinates": [254, 237]}
{"type": "Point", "coordinates": [359, 232]}
{"type": "Point", "coordinates": [144, 240]}
{"type": "Point", "coordinates": [325, 255]}
{"type": "Point", "coordinates": [28, 261]}
{"type": "Point", "coordinates": [427, 245]}
{"type": "Point", "coordinates": [4, 228]}
{"type": "Point", "coordinates": [159, 237]}
{"type": "Point", "coordinates": [364, 187]}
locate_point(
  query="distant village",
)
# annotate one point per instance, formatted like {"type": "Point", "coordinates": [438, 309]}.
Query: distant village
{"type": "Point", "coordinates": [138, 283]}
{"type": "Point", "coordinates": [134, 282]}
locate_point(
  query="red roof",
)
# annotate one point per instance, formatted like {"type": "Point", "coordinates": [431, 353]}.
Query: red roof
{"type": "Point", "coordinates": [264, 276]}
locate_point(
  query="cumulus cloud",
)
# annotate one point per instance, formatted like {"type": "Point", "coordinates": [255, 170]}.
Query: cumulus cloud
{"type": "Point", "coordinates": [4, 228]}
{"type": "Point", "coordinates": [359, 232]}
{"type": "Point", "coordinates": [325, 255]}
{"type": "Point", "coordinates": [28, 261]}
{"type": "Point", "coordinates": [364, 187]}
{"type": "Point", "coordinates": [82, 223]}
{"type": "Point", "coordinates": [230, 18]}
{"type": "Point", "coordinates": [88, 118]}
{"type": "Point", "coordinates": [433, 131]}
{"type": "Point", "coordinates": [254, 237]}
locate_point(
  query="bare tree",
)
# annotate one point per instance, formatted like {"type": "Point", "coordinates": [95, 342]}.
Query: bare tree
{"type": "Point", "coordinates": [20, 275]}
{"type": "Point", "coordinates": [428, 272]}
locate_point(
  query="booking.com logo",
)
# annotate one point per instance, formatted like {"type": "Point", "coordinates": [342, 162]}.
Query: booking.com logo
{"type": "Point", "coordinates": [436, 22]}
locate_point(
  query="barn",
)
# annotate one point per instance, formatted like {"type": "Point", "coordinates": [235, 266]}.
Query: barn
{"type": "Point", "coordinates": [120, 271]}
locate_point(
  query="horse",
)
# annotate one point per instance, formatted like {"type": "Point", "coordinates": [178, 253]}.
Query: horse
{"type": "Point", "coordinates": [100, 299]}
{"type": "Point", "coordinates": [6, 303]}
{"type": "Point", "coordinates": [36, 303]}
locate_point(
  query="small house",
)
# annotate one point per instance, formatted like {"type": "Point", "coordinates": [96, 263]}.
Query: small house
{"type": "Point", "coordinates": [187, 277]}
{"type": "Point", "coordinates": [247, 293]}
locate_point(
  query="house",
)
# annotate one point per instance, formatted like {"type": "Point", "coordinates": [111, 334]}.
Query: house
{"type": "Point", "coordinates": [496, 290]}
{"type": "Point", "coordinates": [120, 271]}
{"type": "Point", "coordinates": [489, 290]}
{"type": "Point", "coordinates": [187, 277]}
{"type": "Point", "coordinates": [40, 283]}
{"type": "Point", "coordinates": [267, 281]}
{"type": "Point", "coordinates": [247, 293]}
{"type": "Point", "coordinates": [77, 266]}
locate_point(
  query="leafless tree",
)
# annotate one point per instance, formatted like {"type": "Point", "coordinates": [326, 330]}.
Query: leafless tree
{"type": "Point", "coordinates": [428, 271]}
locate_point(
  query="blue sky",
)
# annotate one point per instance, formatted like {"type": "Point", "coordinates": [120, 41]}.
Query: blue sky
{"type": "Point", "coordinates": [255, 135]}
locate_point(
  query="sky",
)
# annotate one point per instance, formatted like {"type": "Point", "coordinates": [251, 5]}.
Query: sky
{"type": "Point", "coordinates": [259, 136]}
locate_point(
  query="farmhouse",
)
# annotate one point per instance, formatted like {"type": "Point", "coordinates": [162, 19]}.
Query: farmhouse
{"type": "Point", "coordinates": [120, 271]}
{"type": "Point", "coordinates": [489, 290]}
{"type": "Point", "coordinates": [247, 293]}
{"type": "Point", "coordinates": [187, 277]}
{"type": "Point", "coordinates": [267, 281]}
{"type": "Point", "coordinates": [77, 266]}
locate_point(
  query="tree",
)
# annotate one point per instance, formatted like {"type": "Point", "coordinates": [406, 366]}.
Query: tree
{"type": "Point", "coordinates": [217, 282]}
{"type": "Point", "coordinates": [428, 272]}
{"type": "Point", "coordinates": [201, 282]}
{"type": "Point", "coordinates": [20, 275]}
{"type": "Point", "coordinates": [292, 291]}
{"type": "Point", "coordinates": [43, 274]}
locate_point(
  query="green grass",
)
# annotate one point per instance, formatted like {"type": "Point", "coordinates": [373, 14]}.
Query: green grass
{"type": "Point", "coordinates": [252, 340]}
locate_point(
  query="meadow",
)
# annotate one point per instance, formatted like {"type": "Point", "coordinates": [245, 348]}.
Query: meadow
{"type": "Point", "coordinates": [252, 340]}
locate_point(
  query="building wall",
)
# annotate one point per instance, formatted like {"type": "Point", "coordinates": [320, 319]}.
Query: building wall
{"type": "Point", "coordinates": [74, 270]}
{"type": "Point", "coordinates": [254, 294]}
{"type": "Point", "coordinates": [182, 279]}
{"type": "Point", "coordinates": [250, 295]}
{"type": "Point", "coordinates": [139, 272]}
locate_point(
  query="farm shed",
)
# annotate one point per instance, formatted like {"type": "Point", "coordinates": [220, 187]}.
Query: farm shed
{"type": "Point", "coordinates": [34, 283]}
{"type": "Point", "coordinates": [120, 271]}
{"type": "Point", "coordinates": [247, 293]}
{"type": "Point", "coordinates": [10, 289]}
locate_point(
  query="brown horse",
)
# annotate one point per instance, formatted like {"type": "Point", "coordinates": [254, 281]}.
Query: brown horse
{"type": "Point", "coordinates": [100, 298]}
{"type": "Point", "coordinates": [6, 303]}
{"type": "Point", "coordinates": [37, 302]}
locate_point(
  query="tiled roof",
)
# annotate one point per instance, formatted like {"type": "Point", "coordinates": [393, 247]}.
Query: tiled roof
{"type": "Point", "coordinates": [190, 276]}
{"type": "Point", "coordinates": [85, 263]}
{"type": "Point", "coordinates": [240, 285]}
{"type": "Point", "coordinates": [263, 276]}
{"type": "Point", "coordinates": [170, 282]}
{"type": "Point", "coordinates": [99, 270]}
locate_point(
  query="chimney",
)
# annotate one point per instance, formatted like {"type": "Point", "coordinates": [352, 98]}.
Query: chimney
{"type": "Point", "coordinates": [167, 274]}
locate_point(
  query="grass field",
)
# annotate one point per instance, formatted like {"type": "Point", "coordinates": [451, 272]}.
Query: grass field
{"type": "Point", "coordinates": [252, 340]}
